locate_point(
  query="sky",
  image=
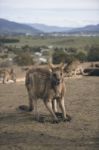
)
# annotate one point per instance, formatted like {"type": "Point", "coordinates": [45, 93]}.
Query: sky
{"type": "Point", "coordinates": [68, 13]}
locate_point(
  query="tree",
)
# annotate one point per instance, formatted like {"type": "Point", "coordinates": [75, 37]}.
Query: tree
{"type": "Point", "coordinates": [93, 54]}
{"type": "Point", "coordinates": [61, 56]}
{"type": "Point", "coordinates": [24, 59]}
{"type": "Point", "coordinates": [81, 56]}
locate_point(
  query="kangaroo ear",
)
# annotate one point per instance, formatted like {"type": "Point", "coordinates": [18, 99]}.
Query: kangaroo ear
{"type": "Point", "coordinates": [62, 65]}
{"type": "Point", "coordinates": [51, 66]}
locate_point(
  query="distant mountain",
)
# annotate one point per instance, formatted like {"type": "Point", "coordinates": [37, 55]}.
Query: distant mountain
{"type": "Point", "coordinates": [50, 29]}
{"type": "Point", "coordinates": [9, 27]}
{"type": "Point", "coordinates": [90, 29]}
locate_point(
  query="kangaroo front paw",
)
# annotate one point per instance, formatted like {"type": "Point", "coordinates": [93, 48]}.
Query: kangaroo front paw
{"type": "Point", "coordinates": [58, 114]}
{"type": "Point", "coordinates": [30, 109]}
{"type": "Point", "coordinates": [55, 121]}
{"type": "Point", "coordinates": [41, 119]}
{"type": "Point", "coordinates": [68, 118]}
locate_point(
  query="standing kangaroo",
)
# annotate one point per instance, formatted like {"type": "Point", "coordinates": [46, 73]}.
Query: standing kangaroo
{"type": "Point", "coordinates": [47, 84]}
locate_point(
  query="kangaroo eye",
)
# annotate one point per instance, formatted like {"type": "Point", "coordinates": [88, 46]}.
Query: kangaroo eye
{"type": "Point", "coordinates": [61, 73]}
{"type": "Point", "coordinates": [54, 74]}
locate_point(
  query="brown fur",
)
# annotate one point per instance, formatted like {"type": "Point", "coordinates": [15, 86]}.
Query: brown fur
{"type": "Point", "coordinates": [46, 84]}
{"type": "Point", "coordinates": [7, 75]}
{"type": "Point", "coordinates": [73, 69]}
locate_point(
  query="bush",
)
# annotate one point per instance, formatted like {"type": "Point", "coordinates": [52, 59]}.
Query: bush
{"type": "Point", "coordinates": [6, 63]}
{"type": "Point", "coordinates": [71, 50]}
{"type": "Point", "coordinates": [93, 54]}
{"type": "Point", "coordinates": [9, 40]}
{"type": "Point", "coordinates": [24, 59]}
{"type": "Point", "coordinates": [61, 56]}
{"type": "Point", "coordinates": [81, 56]}
{"type": "Point", "coordinates": [35, 49]}
{"type": "Point", "coordinates": [4, 56]}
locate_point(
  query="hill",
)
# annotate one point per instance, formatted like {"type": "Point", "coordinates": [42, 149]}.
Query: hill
{"type": "Point", "coordinates": [9, 27]}
{"type": "Point", "coordinates": [90, 29]}
{"type": "Point", "coordinates": [50, 29]}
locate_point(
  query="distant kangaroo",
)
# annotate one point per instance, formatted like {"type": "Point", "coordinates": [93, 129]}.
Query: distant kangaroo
{"type": "Point", "coordinates": [7, 75]}
{"type": "Point", "coordinates": [47, 84]}
{"type": "Point", "coordinates": [74, 68]}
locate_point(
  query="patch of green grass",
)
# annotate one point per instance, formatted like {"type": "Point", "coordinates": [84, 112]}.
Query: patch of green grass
{"type": "Point", "coordinates": [79, 43]}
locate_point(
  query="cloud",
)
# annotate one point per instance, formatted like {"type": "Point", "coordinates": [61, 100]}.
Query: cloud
{"type": "Point", "coordinates": [67, 4]}
{"type": "Point", "coordinates": [52, 12]}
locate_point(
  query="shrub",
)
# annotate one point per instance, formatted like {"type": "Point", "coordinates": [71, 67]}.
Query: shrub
{"type": "Point", "coordinates": [81, 56]}
{"type": "Point", "coordinates": [71, 50]}
{"type": "Point", "coordinates": [4, 56]}
{"type": "Point", "coordinates": [93, 54]}
{"type": "Point", "coordinates": [6, 63]}
{"type": "Point", "coordinates": [24, 59]}
{"type": "Point", "coordinates": [61, 56]}
{"type": "Point", "coordinates": [9, 40]}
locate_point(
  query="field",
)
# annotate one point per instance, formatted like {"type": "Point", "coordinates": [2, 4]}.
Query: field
{"type": "Point", "coordinates": [19, 130]}
{"type": "Point", "coordinates": [80, 43]}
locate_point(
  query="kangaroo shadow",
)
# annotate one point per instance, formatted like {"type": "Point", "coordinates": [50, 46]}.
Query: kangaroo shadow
{"type": "Point", "coordinates": [24, 108]}
{"type": "Point", "coordinates": [42, 117]}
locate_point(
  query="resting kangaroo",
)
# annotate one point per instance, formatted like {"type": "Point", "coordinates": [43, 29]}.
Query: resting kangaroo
{"type": "Point", "coordinates": [47, 84]}
{"type": "Point", "coordinates": [7, 75]}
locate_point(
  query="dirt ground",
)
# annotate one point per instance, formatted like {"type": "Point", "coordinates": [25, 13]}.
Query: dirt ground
{"type": "Point", "coordinates": [19, 130]}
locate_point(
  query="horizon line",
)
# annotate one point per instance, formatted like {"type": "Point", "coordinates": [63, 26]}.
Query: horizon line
{"type": "Point", "coordinates": [27, 23]}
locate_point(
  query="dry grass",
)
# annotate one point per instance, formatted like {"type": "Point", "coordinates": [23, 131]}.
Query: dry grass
{"type": "Point", "coordinates": [19, 130]}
